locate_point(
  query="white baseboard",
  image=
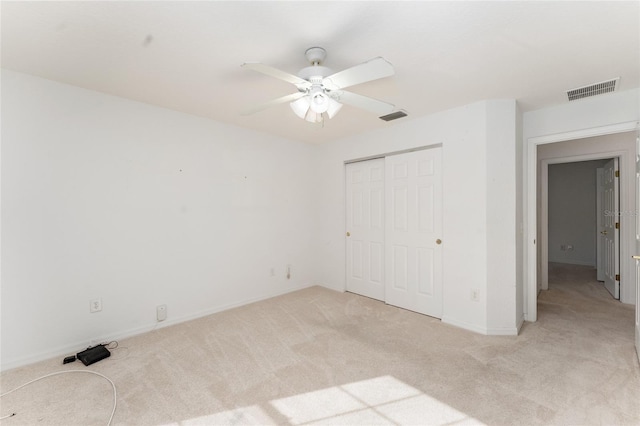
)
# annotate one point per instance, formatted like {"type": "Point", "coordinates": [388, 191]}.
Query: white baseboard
{"type": "Point", "coordinates": [638, 342]}
{"type": "Point", "coordinates": [506, 331]}
{"type": "Point", "coordinates": [488, 331]}
{"type": "Point", "coordinates": [462, 324]}
{"type": "Point", "coordinates": [520, 324]}
{"type": "Point", "coordinates": [70, 349]}
{"type": "Point", "coordinates": [334, 288]}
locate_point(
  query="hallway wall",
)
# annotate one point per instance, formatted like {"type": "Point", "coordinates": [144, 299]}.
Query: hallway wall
{"type": "Point", "coordinates": [573, 213]}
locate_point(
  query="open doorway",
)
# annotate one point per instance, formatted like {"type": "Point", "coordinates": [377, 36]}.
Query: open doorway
{"type": "Point", "coordinates": [620, 145]}
{"type": "Point", "coordinates": [582, 244]}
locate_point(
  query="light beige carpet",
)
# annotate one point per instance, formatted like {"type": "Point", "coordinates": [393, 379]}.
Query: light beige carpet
{"type": "Point", "coordinates": [318, 356]}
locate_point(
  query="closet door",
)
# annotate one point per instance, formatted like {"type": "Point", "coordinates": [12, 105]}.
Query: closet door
{"type": "Point", "coordinates": [365, 228]}
{"type": "Point", "coordinates": [413, 231]}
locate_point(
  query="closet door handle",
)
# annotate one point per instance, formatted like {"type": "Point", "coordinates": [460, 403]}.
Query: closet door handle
{"type": "Point", "coordinates": [636, 257]}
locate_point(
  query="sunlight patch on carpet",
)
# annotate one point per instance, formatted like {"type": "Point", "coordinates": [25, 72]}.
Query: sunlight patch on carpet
{"type": "Point", "coordinates": [382, 400]}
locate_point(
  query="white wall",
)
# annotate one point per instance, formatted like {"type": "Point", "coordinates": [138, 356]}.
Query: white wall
{"type": "Point", "coordinates": [140, 206]}
{"type": "Point", "coordinates": [572, 212]}
{"type": "Point", "coordinates": [572, 120]}
{"type": "Point", "coordinates": [501, 157]}
{"type": "Point", "coordinates": [588, 113]}
{"type": "Point", "coordinates": [520, 222]}
{"type": "Point", "coordinates": [468, 135]}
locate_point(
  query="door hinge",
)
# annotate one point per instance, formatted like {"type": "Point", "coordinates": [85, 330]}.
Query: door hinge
{"type": "Point", "coordinates": [617, 173]}
{"type": "Point", "coordinates": [617, 225]}
{"type": "Point", "coordinates": [617, 277]}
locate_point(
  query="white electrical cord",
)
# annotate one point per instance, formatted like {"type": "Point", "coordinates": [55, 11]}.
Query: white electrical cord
{"type": "Point", "coordinates": [64, 372]}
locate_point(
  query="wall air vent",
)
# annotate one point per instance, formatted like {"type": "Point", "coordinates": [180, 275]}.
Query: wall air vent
{"type": "Point", "coordinates": [393, 116]}
{"type": "Point", "coordinates": [593, 89]}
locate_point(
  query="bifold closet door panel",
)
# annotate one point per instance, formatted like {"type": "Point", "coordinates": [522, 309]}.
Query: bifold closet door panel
{"type": "Point", "coordinates": [413, 231]}
{"type": "Point", "coordinates": [365, 228]}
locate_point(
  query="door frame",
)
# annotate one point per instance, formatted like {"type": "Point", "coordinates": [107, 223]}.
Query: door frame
{"type": "Point", "coordinates": [531, 255]}
{"type": "Point", "coordinates": [544, 203]}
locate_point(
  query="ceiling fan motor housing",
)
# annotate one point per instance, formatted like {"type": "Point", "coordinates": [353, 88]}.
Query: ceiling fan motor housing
{"type": "Point", "coordinates": [316, 72]}
{"type": "Point", "coordinates": [319, 71]}
{"type": "Point", "coordinates": [315, 55]}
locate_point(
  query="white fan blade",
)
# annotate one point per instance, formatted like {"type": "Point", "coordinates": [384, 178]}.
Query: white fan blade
{"type": "Point", "coordinates": [367, 71]}
{"type": "Point", "coordinates": [364, 102]}
{"type": "Point", "coordinates": [274, 72]}
{"type": "Point", "coordinates": [284, 99]}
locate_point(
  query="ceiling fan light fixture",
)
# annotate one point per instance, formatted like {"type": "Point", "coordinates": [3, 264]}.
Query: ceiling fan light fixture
{"type": "Point", "coordinates": [313, 117]}
{"type": "Point", "coordinates": [334, 107]}
{"type": "Point", "coordinates": [300, 106]}
{"type": "Point", "coordinates": [319, 101]}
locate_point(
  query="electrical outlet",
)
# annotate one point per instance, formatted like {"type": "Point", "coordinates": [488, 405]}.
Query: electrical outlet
{"type": "Point", "coordinates": [474, 295]}
{"type": "Point", "coordinates": [95, 305]}
{"type": "Point", "coordinates": [161, 312]}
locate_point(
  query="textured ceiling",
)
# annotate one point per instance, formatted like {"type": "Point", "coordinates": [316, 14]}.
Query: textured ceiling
{"type": "Point", "coordinates": [186, 56]}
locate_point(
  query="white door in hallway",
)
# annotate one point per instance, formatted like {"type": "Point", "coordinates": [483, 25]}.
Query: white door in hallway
{"type": "Point", "coordinates": [637, 255]}
{"type": "Point", "coordinates": [413, 255]}
{"type": "Point", "coordinates": [599, 225]}
{"type": "Point", "coordinates": [609, 231]}
{"type": "Point", "coordinates": [365, 228]}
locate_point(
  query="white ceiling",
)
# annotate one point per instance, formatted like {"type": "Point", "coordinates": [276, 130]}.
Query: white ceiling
{"type": "Point", "coordinates": [186, 56]}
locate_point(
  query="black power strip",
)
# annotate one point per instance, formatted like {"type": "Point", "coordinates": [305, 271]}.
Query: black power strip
{"type": "Point", "coordinates": [93, 354]}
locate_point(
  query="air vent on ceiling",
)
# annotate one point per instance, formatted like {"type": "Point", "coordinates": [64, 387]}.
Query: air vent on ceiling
{"type": "Point", "coordinates": [593, 89]}
{"type": "Point", "coordinates": [393, 116]}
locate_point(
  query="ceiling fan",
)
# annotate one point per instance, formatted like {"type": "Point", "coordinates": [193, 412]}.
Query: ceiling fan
{"type": "Point", "coordinates": [320, 90]}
